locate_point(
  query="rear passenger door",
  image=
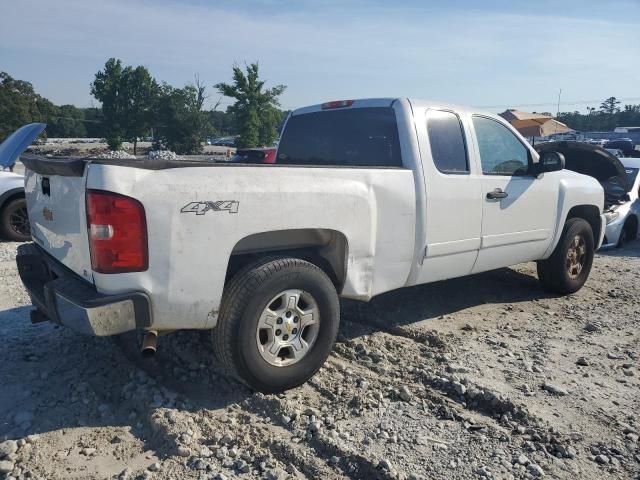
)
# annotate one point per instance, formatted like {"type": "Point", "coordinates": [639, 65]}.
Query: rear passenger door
{"type": "Point", "coordinates": [453, 196]}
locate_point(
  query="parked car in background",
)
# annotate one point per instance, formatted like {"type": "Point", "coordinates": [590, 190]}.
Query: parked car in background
{"type": "Point", "coordinates": [14, 221]}
{"type": "Point", "coordinates": [625, 145]}
{"type": "Point", "coordinates": [619, 179]}
{"type": "Point", "coordinates": [254, 155]}
{"type": "Point", "coordinates": [224, 141]}
{"type": "Point", "coordinates": [622, 218]}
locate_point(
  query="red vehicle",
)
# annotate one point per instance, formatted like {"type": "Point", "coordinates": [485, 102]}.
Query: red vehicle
{"type": "Point", "coordinates": [255, 155]}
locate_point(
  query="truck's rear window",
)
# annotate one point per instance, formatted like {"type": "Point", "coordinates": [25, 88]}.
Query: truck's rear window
{"type": "Point", "coordinates": [356, 137]}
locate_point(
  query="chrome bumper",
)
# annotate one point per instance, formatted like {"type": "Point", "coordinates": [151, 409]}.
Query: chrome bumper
{"type": "Point", "coordinates": [63, 298]}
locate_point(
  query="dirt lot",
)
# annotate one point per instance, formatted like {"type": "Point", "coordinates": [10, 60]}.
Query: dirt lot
{"type": "Point", "coordinates": [482, 377]}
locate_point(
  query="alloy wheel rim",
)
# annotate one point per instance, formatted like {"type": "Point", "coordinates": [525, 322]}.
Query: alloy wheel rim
{"type": "Point", "coordinates": [19, 221]}
{"type": "Point", "coordinates": [576, 256]}
{"type": "Point", "coordinates": [288, 327]}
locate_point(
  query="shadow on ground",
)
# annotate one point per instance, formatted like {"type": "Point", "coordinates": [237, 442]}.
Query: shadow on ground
{"type": "Point", "coordinates": [431, 301]}
{"type": "Point", "coordinates": [54, 379]}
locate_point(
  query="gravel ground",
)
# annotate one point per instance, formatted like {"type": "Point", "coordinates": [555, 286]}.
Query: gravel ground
{"type": "Point", "coordinates": [97, 148]}
{"type": "Point", "coordinates": [480, 377]}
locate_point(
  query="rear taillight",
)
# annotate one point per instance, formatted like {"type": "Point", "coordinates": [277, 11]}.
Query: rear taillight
{"type": "Point", "coordinates": [336, 104]}
{"type": "Point", "coordinates": [117, 233]}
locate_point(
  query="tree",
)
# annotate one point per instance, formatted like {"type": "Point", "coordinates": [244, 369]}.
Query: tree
{"type": "Point", "coordinates": [66, 121]}
{"type": "Point", "coordinates": [127, 96]}
{"type": "Point", "coordinates": [256, 108]}
{"type": "Point", "coordinates": [180, 124]}
{"type": "Point", "coordinates": [222, 123]}
{"type": "Point", "coordinates": [610, 106]}
{"type": "Point", "coordinates": [94, 122]}
{"type": "Point", "coordinates": [140, 91]}
{"type": "Point", "coordinates": [20, 104]}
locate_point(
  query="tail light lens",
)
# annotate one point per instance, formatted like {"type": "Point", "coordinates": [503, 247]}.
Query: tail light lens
{"type": "Point", "coordinates": [117, 233]}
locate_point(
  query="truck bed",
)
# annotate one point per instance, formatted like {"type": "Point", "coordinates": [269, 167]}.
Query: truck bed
{"type": "Point", "coordinates": [74, 166]}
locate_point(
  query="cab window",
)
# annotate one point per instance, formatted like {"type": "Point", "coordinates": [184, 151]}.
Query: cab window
{"type": "Point", "coordinates": [448, 146]}
{"type": "Point", "coordinates": [501, 152]}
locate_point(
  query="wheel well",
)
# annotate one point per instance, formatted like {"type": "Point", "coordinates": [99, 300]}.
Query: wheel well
{"type": "Point", "coordinates": [9, 198]}
{"type": "Point", "coordinates": [325, 248]}
{"type": "Point", "coordinates": [591, 214]}
{"type": "Point", "coordinates": [632, 224]}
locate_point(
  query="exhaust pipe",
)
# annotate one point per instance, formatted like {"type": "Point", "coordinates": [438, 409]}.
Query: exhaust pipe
{"type": "Point", "coordinates": [149, 343]}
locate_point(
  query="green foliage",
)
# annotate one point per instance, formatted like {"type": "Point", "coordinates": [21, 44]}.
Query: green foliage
{"type": "Point", "coordinates": [256, 108]}
{"type": "Point", "coordinates": [66, 121]}
{"type": "Point", "coordinates": [106, 89]}
{"type": "Point", "coordinates": [19, 105]}
{"type": "Point", "coordinates": [608, 117]}
{"type": "Point", "coordinates": [128, 96]}
{"type": "Point", "coordinates": [180, 123]}
{"type": "Point", "coordinates": [133, 105]}
{"type": "Point", "coordinates": [222, 124]}
{"type": "Point", "coordinates": [94, 122]}
{"type": "Point", "coordinates": [610, 106]}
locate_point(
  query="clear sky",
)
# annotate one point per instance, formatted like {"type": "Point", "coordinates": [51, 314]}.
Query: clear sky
{"type": "Point", "coordinates": [489, 53]}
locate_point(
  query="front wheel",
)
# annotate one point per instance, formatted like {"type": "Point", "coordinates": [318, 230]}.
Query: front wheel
{"type": "Point", "coordinates": [278, 321]}
{"type": "Point", "coordinates": [14, 221]}
{"type": "Point", "coordinates": [568, 267]}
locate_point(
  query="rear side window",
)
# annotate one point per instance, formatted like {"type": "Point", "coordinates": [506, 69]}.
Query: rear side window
{"type": "Point", "coordinates": [446, 137]}
{"type": "Point", "coordinates": [358, 137]}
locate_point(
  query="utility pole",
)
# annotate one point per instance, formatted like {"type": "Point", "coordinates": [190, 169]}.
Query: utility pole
{"type": "Point", "coordinates": [558, 109]}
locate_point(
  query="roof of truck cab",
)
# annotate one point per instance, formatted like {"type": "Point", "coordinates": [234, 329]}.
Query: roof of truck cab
{"type": "Point", "coordinates": [388, 101]}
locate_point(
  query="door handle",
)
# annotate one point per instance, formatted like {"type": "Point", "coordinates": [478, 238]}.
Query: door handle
{"type": "Point", "coordinates": [496, 194]}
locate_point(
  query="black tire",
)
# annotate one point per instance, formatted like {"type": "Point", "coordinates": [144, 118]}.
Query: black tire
{"type": "Point", "coordinates": [629, 232]}
{"type": "Point", "coordinates": [554, 274]}
{"type": "Point", "coordinates": [245, 297]}
{"type": "Point", "coordinates": [14, 222]}
{"type": "Point", "coordinates": [623, 237]}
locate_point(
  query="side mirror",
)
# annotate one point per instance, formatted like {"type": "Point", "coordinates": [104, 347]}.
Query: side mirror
{"type": "Point", "coordinates": [550, 162]}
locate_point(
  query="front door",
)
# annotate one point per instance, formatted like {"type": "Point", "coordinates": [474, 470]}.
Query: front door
{"type": "Point", "coordinates": [518, 209]}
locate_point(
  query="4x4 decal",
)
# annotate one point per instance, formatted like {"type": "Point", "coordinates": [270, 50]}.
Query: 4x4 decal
{"type": "Point", "coordinates": [200, 208]}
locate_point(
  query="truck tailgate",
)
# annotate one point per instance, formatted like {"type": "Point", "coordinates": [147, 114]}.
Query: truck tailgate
{"type": "Point", "coordinates": [56, 206]}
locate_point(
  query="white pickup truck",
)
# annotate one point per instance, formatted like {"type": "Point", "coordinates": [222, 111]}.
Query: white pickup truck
{"type": "Point", "coordinates": [366, 196]}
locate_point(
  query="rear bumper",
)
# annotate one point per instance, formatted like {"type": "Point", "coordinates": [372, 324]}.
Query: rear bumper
{"type": "Point", "coordinates": [67, 300]}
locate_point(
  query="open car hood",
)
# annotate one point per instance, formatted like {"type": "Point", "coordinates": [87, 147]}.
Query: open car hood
{"type": "Point", "coordinates": [17, 142]}
{"type": "Point", "coordinates": [589, 159]}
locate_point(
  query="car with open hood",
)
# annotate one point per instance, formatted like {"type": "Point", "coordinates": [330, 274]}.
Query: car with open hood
{"type": "Point", "coordinates": [14, 221]}
{"type": "Point", "coordinates": [619, 179]}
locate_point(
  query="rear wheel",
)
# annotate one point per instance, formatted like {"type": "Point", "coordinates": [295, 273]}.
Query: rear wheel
{"type": "Point", "coordinates": [278, 321]}
{"type": "Point", "coordinates": [567, 269]}
{"type": "Point", "coordinates": [14, 221]}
